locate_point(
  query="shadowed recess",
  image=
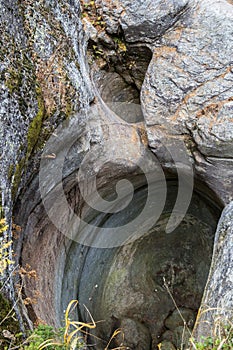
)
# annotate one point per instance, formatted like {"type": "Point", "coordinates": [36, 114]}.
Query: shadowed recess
{"type": "Point", "coordinates": [120, 83]}
{"type": "Point", "coordinates": [129, 286]}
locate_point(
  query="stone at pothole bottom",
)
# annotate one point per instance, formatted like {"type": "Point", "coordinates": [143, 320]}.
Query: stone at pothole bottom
{"type": "Point", "coordinates": [138, 278]}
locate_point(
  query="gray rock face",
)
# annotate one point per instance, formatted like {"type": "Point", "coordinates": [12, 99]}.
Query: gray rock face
{"type": "Point", "coordinates": [188, 91]}
{"type": "Point", "coordinates": [167, 345]}
{"type": "Point", "coordinates": [179, 318]}
{"type": "Point", "coordinates": [141, 21]}
{"type": "Point", "coordinates": [217, 302]}
{"type": "Point", "coordinates": [141, 338]}
{"type": "Point", "coordinates": [119, 114]}
{"type": "Point", "coordinates": [179, 326]}
{"type": "Point", "coordinates": [44, 80]}
{"type": "Point", "coordinates": [178, 338]}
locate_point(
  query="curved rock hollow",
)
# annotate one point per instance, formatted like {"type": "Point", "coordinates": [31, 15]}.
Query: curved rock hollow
{"type": "Point", "coordinates": [130, 282]}
{"type": "Point", "coordinates": [138, 284]}
{"type": "Point", "coordinates": [119, 84]}
{"type": "Point", "coordinates": [131, 286]}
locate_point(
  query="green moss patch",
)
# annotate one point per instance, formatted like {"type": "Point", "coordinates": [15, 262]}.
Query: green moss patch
{"type": "Point", "coordinates": [36, 124]}
{"type": "Point", "coordinates": [8, 324]}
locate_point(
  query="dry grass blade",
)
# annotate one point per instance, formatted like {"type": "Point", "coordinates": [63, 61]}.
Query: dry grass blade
{"type": "Point", "coordinates": [192, 343]}
{"type": "Point", "coordinates": [116, 332]}
{"type": "Point", "coordinates": [92, 320]}
{"type": "Point", "coordinates": [226, 338]}
{"type": "Point", "coordinates": [49, 342]}
{"type": "Point", "coordinates": [221, 344]}
{"type": "Point", "coordinates": [181, 316]}
{"type": "Point", "coordinates": [76, 324]}
{"type": "Point", "coordinates": [72, 328]}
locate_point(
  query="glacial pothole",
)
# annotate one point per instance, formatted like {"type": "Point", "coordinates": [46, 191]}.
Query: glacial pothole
{"type": "Point", "coordinates": [132, 285]}
{"type": "Point", "coordinates": [128, 287]}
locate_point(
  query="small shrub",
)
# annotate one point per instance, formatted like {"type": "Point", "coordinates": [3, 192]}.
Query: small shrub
{"type": "Point", "coordinates": [222, 340]}
{"type": "Point", "coordinates": [71, 338]}
{"type": "Point", "coordinates": [41, 334]}
{"type": "Point", "coordinates": [8, 324]}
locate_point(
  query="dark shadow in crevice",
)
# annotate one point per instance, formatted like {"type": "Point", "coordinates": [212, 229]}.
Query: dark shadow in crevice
{"type": "Point", "coordinates": [120, 82]}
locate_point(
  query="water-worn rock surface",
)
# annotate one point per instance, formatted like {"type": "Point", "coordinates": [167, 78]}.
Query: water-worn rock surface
{"type": "Point", "coordinates": [219, 294]}
{"type": "Point", "coordinates": [194, 96]}
{"type": "Point", "coordinates": [140, 91]}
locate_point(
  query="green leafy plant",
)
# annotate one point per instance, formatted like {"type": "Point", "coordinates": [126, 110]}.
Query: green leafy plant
{"type": "Point", "coordinates": [72, 338]}
{"type": "Point", "coordinates": [221, 340]}
{"type": "Point", "coordinates": [121, 45]}
{"type": "Point", "coordinates": [40, 335]}
{"type": "Point", "coordinates": [9, 327]}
